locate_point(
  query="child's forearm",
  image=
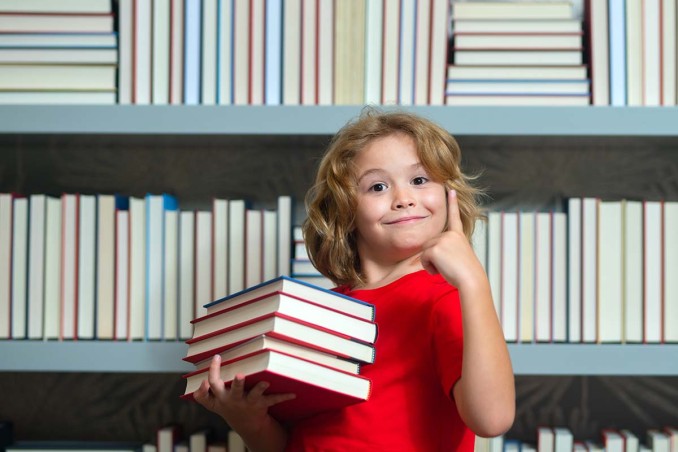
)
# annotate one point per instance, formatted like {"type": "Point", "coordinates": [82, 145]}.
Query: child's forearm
{"type": "Point", "coordinates": [272, 437]}
{"type": "Point", "coordinates": [485, 393]}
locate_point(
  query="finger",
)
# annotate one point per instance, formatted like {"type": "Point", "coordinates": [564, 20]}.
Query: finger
{"type": "Point", "coordinates": [202, 393]}
{"type": "Point", "coordinates": [453, 215]}
{"type": "Point", "coordinates": [258, 390]}
{"type": "Point", "coordinates": [238, 385]}
{"type": "Point", "coordinates": [214, 376]}
{"type": "Point", "coordinates": [275, 399]}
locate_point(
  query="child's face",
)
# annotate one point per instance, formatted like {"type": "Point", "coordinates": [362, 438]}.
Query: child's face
{"type": "Point", "coordinates": [398, 207]}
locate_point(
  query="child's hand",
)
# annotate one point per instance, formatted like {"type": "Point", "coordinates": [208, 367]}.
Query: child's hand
{"type": "Point", "coordinates": [245, 411]}
{"type": "Point", "coordinates": [450, 253]}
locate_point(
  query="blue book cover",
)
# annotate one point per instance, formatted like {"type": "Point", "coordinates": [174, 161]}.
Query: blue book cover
{"type": "Point", "coordinates": [617, 30]}
{"type": "Point", "coordinates": [273, 62]}
{"type": "Point", "coordinates": [192, 51]}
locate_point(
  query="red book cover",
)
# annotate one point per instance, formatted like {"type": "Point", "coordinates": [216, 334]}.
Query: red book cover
{"type": "Point", "coordinates": [318, 388]}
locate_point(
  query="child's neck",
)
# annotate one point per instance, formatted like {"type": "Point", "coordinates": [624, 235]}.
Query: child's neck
{"type": "Point", "coordinates": [377, 275]}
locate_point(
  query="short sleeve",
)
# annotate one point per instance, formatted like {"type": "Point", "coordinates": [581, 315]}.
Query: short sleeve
{"type": "Point", "coordinates": [448, 338]}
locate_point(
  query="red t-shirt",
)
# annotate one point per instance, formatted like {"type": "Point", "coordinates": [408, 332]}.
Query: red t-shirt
{"type": "Point", "coordinates": [417, 362]}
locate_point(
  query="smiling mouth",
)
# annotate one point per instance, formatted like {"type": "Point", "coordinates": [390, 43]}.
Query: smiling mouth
{"type": "Point", "coordinates": [405, 220]}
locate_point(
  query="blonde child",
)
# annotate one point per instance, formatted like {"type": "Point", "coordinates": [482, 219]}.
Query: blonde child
{"type": "Point", "coordinates": [389, 221]}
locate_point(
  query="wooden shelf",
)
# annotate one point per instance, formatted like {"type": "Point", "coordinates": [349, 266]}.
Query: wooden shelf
{"type": "Point", "coordinates": [326, 120]}
{"type": "Point", "coordinates": [528, 359]}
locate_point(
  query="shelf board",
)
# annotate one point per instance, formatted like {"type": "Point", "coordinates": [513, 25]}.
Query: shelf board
{"type": "Point", "coordinates": [326, 120]}
{"type": "Point", "coordinates": [530, 359]}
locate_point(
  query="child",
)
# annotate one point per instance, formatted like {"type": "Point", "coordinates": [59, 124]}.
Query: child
{"type": "Point", "coordinates": [389, 221]}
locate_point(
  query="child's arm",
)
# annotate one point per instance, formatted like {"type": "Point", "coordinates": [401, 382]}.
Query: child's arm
{"type": "Point", "coordinates": [485, 393]}
{"type": "Point", "coordinates": [245, 412]}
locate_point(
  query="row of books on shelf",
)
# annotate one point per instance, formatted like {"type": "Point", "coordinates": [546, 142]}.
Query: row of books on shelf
{"type": "Point", "coordinates": [599, 271]}
{"type": "Point", "coordinates": [298, 337]}
{"type": "Point", "coordinates": [107, 267]}
{"type": "Point", "coordinates": [58, 52]}
{"type": "Point", "coordinates": [538, 53]}
{"type": "Point", "coordinates": [244, 52]}
{"type": "Point", "coordinates": [561, 439]}
{"type": "Point", "coordinates": [167, 438]}
{"type": "Point", "coordinates": [517, 53]}
{"type": "Point", "coordinates": [80, 266]}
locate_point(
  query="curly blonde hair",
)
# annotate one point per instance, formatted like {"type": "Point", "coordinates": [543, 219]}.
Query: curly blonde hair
{"type": "Point", "coordinates": [329, 228]}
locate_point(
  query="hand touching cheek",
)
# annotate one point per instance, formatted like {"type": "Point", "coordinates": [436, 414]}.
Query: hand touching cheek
{"type": "Point", "coordinates": [450, 253]}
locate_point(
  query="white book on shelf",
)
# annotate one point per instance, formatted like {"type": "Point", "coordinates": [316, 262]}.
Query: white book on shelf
{"type": "Point", "coordinates": [325, 60]}
{"type": "Point", "coordinates": [122, 275]}
{"type": "Point", "coordinates": [653, 276]}
{"type": "Point", "coordinates": [617, 52]}
{"type": "Point", "coordinates": [634, 53]}
{"type": "Point", "coordinates": [160, 52]}
{"type": "Point", "coordinates": [235, 442]}
{"type": "Point", "coordinates": [19, 267]}
{"type": "Point", "coordinates": [309, 45]}
{"type": "Point", "coordinates": [574, 269]}
{"type": "Point", "coordinates": [208, 55]}
{"type": "Point", "coordinates": [669, 52]}
{"type": "Point", "coordinates": [545, 439]}
{"type": "Point", "coordinates": [62, 6]}
{"type": "Point", "coordinates": [36, 265]}
{"type": "Point", "coordinates": [406, 66]}
{"type": "Point", "coordinates": [438, 53]}
{"type": "Point", "coordinates": [651, 65]}
{"type": "Point", "coordinates": [494, 257]}
{"type": "Point", "coordinates": [610, 271]}
{"type": "Point", "coordinates": [137, 269]}
{"type": "Point", "coordinates": [589, 263]}
{"type": "Point", "coordinates": [273, 46]}
{"type": "Point", "coordinates": [203, 261]}
{"type": "Point", "coordinates": [170, 276]}
{"type": "Point", "coordinates": [512, 10]}
{"type": "Point", "coordinates": [563, 441]}
{"type": "Point", "coordinates": [291, 73]}
{"type": "Point", "coordinates": [220, 237]}
{"type": "Point", "coordinates": [478, 241]}
{"type": "Point", "coordinates": [509, 275]}
{"type": "Point", "coordinates": [670, 267]}
{"type": "Point", "coordinates": [241, 54]}
{"type": "Point", "coordinates": [5, 264]}
{"type": "Point", "coordinates": [285, 214]}
{"type": "Point", "coordinates": [373, 46]}
{"type": "Point", "coordinates": [167, 437]}
{"type": "Point", "coordinates": [598, 38]}
{"type": "Point", "coordinates": [69, 268]}
{"type": "Point", "coordinates": [225, 53]}
{"type": "Point", "coordinates": [613, 441]}
{"type": "Point", "coordinates": [143, 50]}
{"type": "Point", "coordinates": [253, 247]}
{"type": "Point", "coordinates": [197, 441]}
{"type": "Point", "coordinates": [631, 441]}
{"type": "Point", "coordinates": [542, 286]}
{"type": "Point", "coordinates": [658, 441]}
{"type": "Point", "coordinates": [236, 245]}
{"type": "Point", "coordinates": [390, 53]}
{"type": "Point", "coordinates": [269, 244]}
{"type": "Point", "coordinates": [518, 57]}
{"type": "Point", "coordinates": [421, 52]}
{"type": "Point", "coordinates": [105, 267]}
{"type": "Point", "coordinates": [559, 277]}
{"type": "Point", "coordinates": [125, 50]}
{"type": "Point", "coordinates": [87, 246]}
{"type": "Point", "coordinates": [517, 40]}
{"type": "Point", "coordinates": [632, 280]}
{"type": "Point", "coordinates": [56, 23]}
{"type": "Point", "coordinates": [494, 26]}
{"type": "Point", "coordinates": [176, 52]}
{"type": "Point", "coordinates": [192, 51]}
{"type": "Point", "coordinates": [52, 313]}
{"type": "Point", "coordinates": [257, 52]}
{"type": "Point", "coordinates": [186, 273]}
{"type": "Point", "coordinates": [526, 278]}
{"type": "Point", "coordinates": [506, 73]}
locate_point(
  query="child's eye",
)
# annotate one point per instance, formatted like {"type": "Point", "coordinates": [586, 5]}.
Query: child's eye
{"type": "Point", "coordinates": [419, 180]}
{"type": "Point", "coordinates": [378, 187]}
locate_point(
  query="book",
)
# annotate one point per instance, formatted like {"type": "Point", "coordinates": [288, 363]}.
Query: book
{"type": "Point", "coordinates": [503, 25]}
{"type": "Point", "coordinates": [518, 41]}
{"type": "Point", "coordinates": [265, 342]}
{"type": "Point", "coordinates": [56, 23]}
{"type": "Point", "coordinates": [518, 57]}
{"type": "Point", "coordinates": [512, 10]}
{"type": "Point", "coordinates": [62, 6]}
{"type": "Point", "coordinates": [516, 72]}
{"type": "Point", "coordinates": [518, 99]}
{"type": "Point", "coordinates": [19, 288]}
{"type": "Point", "coordinates": [279, 326]}
{"type": "Point", "coordinates": [36, 265]}
{"type": "Point", "coordinates": [318, 388]}
{"type": "Point", "coordinates": [517, 86]}
{"type": "Point", "coordinates": [286, 284]}
{"type": "Point", "coordinates": [303, 310]}
{"type": "Point", "coordinates": [72, 77]}
{"type": "Point", "coordinates": [596, 19]}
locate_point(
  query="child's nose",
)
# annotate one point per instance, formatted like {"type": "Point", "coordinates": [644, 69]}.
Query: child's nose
{"type": "Point", "coordinates": [403, 199]}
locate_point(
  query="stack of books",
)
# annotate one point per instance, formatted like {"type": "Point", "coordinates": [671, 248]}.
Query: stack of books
{"type": "Point", "coordinates": [63, 52]}
{"type": "Point", "coordinates": [299, 337]}
{"type": "Point", "coordinates": [517, 53]}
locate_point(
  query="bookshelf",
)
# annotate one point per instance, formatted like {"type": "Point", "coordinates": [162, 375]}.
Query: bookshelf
{"type": "Point", "coordinates": [325, 120]}
{"type": "Point", "coordinates": [523, 150]}
{"type": "Point", "coordinates": [158, 357]}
